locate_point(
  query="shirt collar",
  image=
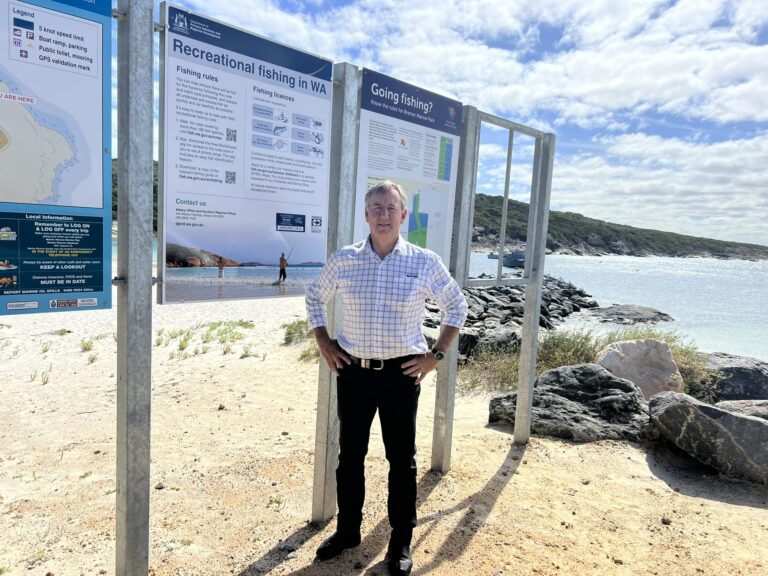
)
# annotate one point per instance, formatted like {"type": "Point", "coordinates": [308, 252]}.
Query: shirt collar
{"type": "Point", "coordinates": [398, 249]}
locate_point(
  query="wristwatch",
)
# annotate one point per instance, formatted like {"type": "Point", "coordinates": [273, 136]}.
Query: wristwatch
{"type": "Point", "coordinates": [438, 354]}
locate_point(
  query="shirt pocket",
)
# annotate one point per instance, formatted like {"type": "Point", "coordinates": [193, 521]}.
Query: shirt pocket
{"type": "Point", "coordinates": [406, 290]}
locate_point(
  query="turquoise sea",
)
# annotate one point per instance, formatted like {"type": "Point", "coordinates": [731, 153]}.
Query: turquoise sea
{"type": "Point", "coordinates": [722, 305]}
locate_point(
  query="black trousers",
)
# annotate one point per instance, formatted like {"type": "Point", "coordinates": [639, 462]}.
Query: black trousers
{"type": "Point", "coordinates": [361, 393]}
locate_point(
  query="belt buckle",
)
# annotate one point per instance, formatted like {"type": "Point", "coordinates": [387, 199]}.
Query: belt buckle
{"type": "Point", "coordinates": [366, 363]}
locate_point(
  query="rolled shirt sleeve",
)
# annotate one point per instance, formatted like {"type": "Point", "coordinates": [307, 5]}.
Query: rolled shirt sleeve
{"type": "Point", "coordinates": [320, 292]}
{"type": "Point", "coordinates": [448, 295]}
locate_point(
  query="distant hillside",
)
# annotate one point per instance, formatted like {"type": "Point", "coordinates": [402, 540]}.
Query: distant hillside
{"type": "Point", "coordinates": [571, 233]}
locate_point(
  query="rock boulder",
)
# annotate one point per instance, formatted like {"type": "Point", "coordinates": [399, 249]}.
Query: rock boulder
{"type": "Point", "coordinates": [734, 444]}
{"type": "Point", "coordinates": [582, 403]}
{"type": "Point", "coordinates": [647, 363]}
{"type": "Point", "coordinates": [630, 314]}
{"type": "Point", "coordinates": [755, 408]}
{"type": "Point", "coordinates": [738, 377]}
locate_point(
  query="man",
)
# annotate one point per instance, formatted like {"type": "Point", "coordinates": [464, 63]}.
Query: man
{"type": "Point", "coordinates": [380, 359]}
{"type": "Point", "coordinates": [283, 267]}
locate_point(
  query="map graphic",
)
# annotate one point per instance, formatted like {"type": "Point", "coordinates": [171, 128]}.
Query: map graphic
{"type": "Point", "coordinates": [51, 108]}
{"type": "Point", "coordinates": [32, 155]}
{"type": "Point", "coordinates": [428, 208]}
{"type": "Point", "coordinates": [417, 224]}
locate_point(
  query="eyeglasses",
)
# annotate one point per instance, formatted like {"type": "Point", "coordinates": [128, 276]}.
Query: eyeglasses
{"type": "Point", "coordinates": [385, 211]}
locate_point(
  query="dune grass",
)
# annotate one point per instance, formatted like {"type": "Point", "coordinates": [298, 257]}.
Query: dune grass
{"type": "Point", "coordinates": [491, 371]}
{"type": "Point", "coordinates": [299, 332]}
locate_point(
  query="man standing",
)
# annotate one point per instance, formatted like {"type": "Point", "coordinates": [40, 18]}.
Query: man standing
{"type": "Point", "coordinates": [380, 359]}
{"type": "Point", "coordinates": [283, 267]}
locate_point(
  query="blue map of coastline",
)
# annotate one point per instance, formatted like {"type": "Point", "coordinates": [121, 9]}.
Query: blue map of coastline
{"type": "Point", "coordinates": [67, 174]}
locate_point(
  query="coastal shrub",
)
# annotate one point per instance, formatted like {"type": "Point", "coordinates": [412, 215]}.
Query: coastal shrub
{"type": "Point", "coordinates": [299, 332]}
{"type": "Point", "coordinates": [491, 371]}
{"type": "Point", "coordinates": [296, 331]}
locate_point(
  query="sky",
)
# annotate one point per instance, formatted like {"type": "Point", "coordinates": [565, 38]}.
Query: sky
{"type": "Point", "coordinates": [660, 108]}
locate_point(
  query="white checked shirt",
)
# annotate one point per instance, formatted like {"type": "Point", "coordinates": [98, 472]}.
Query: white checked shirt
{"type": "Point", "coordinates": [383, 300]}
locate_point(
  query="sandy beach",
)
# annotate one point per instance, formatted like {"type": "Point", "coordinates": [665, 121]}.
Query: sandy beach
{"type": "Point", "coordinates": [233, 423]}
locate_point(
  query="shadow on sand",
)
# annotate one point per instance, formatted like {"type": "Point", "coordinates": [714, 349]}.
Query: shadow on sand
{"type": "Point", "coordinates": [474, 511]}
{"type": "Point", "coordinates": [690, 477]}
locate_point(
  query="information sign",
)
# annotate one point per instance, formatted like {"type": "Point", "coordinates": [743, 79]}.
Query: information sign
{"type": "Point", "coordinates": [410, 136]}
{"type": "Point", "coordinates": [246, 151]}
{"type": "Point", "coordinates": [55, 161]}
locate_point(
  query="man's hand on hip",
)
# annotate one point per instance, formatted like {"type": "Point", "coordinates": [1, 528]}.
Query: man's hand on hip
{"type": "Point", "coordinates": [419, 366]}
{"type": "Point", "coordinates": [331, 351]}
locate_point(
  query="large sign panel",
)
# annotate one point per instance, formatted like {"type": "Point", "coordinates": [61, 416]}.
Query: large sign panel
{"type": "Point", "coordinates": [55, 131]}
{"type": "Point", "coordinates": [410, 136]}
{"type": "Point", "coordinates": [246, 152]}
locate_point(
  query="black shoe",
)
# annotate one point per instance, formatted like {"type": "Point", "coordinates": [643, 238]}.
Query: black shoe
{"type": "Point", "coordinates": [336, 544]}
{"type": "Point", "coordinates": [400, 561]}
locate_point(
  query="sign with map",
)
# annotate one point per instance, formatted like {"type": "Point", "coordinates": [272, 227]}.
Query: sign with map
{"type": "Point", "coordinates": [55, 131]}
{"type": "Point", "coordinates": [410, 136]}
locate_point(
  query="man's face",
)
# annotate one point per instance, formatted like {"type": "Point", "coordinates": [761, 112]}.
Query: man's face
{"type": "Point", "coordinates": [384, 215]}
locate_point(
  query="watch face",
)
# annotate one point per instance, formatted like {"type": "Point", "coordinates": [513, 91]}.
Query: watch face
{"type": "Point", "coordinates": [438, 354]}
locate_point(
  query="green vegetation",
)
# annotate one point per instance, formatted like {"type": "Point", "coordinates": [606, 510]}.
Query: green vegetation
{"type": "Point", "coordinates": [193, 341]}
{"type": "Point", "coordinates": [299, 332]}
{"type": "Point", "coordinates": [276, 502]}
{"type": "Point", "coordinates": [568, 230]}
{"type": "Point", "coordinates": [86, 345]}
{"type": "Point", "coordinates": [495, 372]}
{"type": "Point", "coordinates": [296, 331]}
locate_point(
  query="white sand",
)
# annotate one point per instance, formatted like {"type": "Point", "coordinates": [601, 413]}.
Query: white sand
{"type": "Point", "coordinates": [238, 480]}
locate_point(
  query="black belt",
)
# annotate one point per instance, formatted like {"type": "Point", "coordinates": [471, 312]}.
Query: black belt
{"type": "Point", "coordinates": [378, 363]}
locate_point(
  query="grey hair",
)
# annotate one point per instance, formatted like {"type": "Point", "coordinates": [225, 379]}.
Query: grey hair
{"type": "Point", "coordinates": [385, 186]}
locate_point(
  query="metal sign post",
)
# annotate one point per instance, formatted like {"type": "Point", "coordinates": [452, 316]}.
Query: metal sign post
{"type": "Point", "coordinates": [541, 186]}
{"type": "Point", "coordinates": [134, 292]}
{"type": "Point", "coordinates": [346, 111]}
{"type": "Point", "coordinates": [536, 244]}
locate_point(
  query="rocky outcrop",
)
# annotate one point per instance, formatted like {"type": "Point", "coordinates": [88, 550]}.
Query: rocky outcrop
{"type": "Point", "coordinates": [754, 408]}
{"type": "Point", "coordinates": [734, 444]}
{"type": "Point", "coordinates": [583, 403]}
{"type": "Point", "coordinates": [630, 314]}
{"type": "Point", "coordinates": [177, 256]}
{"type": "Point", "coordinates": [738, 377]}
{"type": "Point", "coordinates": [496, 314]}
{"type": "Point", "coordinates": [648, 363]}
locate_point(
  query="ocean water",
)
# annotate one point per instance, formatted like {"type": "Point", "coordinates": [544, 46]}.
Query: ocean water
{"type": "Point", "coordinates": [721, 305]}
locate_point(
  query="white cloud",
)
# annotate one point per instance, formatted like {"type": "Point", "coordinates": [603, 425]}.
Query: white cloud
{"type": "Point", "coordinates": [642, 65]}
{"type": "Point", "coordinates": [714, 190]}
